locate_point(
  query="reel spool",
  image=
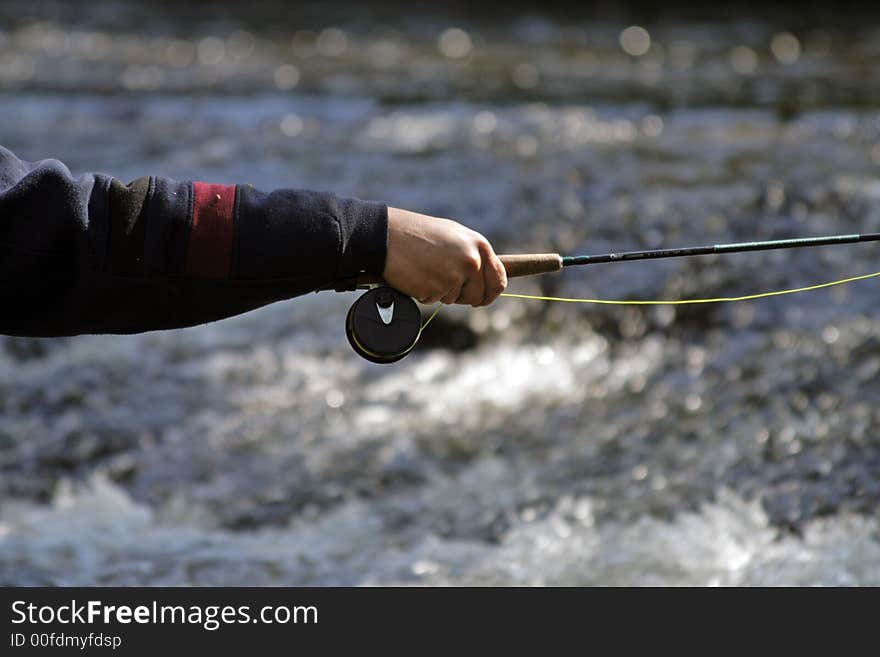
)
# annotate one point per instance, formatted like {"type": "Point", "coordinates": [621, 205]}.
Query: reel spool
{"type": "Point", "coordinates": [383, 325]}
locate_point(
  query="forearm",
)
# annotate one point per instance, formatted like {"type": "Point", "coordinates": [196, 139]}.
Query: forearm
{"type": "Point", "coordinates": [91, 255]}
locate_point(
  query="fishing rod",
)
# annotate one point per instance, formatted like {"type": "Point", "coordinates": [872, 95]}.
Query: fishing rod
{"type": "Point", "coordinates": [383, 325]}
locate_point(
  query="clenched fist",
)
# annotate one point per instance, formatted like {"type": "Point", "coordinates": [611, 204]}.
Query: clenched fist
{"type": "Point", "coordinates": [434, 259]}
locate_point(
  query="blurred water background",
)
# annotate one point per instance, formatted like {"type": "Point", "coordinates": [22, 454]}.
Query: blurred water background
{"type": "Point", "coordinates": [525, 443]}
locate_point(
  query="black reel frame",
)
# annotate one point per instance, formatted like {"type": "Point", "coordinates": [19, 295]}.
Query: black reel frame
{"type": "Point", "coordinates": [383, 325]}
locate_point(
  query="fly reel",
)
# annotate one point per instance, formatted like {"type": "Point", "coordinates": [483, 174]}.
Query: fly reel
{"type": "Point", "coordinates": [383, 325]}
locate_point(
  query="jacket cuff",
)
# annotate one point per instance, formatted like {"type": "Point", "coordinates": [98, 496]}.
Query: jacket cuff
{"type": "Point", "coordinates": [291, 233]}
{"type": "Point", "coordinates": [363, 227]}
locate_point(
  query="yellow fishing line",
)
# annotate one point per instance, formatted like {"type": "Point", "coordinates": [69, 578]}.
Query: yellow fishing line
{"type": "Point", "coordinates": [433, 315]}
{"type": "Point", "coordinates": [681, 302]}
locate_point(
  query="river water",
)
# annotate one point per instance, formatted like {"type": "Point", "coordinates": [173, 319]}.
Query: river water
{"type": "Point", "coordinates": [525, 443]}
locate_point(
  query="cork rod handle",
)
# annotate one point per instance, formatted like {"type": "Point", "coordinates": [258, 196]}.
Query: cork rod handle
{"type": "Point", "coordinates": [528, 264]}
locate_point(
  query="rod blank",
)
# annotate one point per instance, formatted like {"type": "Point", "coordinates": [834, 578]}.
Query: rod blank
{"type": "Point", "coordinates": [738, 247]}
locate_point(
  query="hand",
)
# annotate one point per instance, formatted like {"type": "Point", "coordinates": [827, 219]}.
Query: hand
{"type": "Point", "coordinates": [434, 260]}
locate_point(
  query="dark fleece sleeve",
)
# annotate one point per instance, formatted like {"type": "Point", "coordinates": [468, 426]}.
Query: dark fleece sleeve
{"type": "Point", "coordinates": [90, 254]}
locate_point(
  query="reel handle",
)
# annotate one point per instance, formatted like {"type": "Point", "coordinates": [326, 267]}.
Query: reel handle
{"type": "Point", "coordinates": [520, 264]}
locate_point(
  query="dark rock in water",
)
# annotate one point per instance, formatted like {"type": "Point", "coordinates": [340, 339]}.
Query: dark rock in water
{"type": "Point", "coordinates": [29, 348]}
{"type": "Point", "coordinates": [448, 333]}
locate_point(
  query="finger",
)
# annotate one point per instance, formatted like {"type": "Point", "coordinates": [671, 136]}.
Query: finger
{"type": "Point", "coordinates": [453, 295]}
{"type": "Point", "coordinates": [432, 298]}
{"type": "Point", "coordinates": [494, 275]}
{"type": "Point", "coordinates": [472, 290]}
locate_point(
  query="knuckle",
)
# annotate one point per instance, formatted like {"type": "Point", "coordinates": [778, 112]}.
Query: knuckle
{"type": "Point", "coordinates": [471, 262]}
{"type": "Point", "coordinates": [480, 239]}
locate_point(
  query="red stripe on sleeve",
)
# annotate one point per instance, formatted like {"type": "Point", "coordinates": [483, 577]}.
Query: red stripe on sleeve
{"type": "Point", "coordinates": [209, 253]}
